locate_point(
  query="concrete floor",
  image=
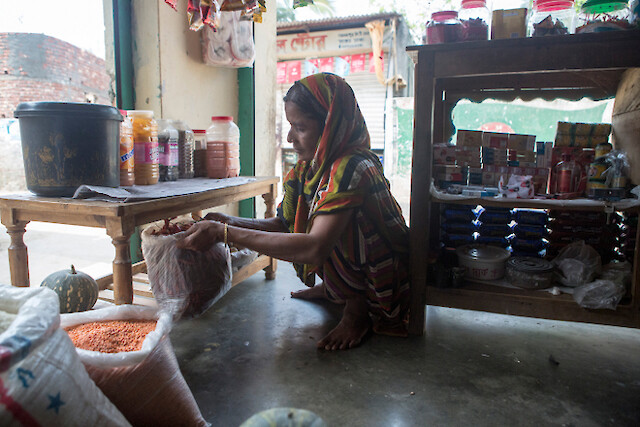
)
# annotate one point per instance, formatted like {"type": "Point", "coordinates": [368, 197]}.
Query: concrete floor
{"type": "Point", "coordinates": [255, 349]}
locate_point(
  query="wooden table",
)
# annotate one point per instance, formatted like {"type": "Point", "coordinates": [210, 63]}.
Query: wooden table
{"type": "Point", "coordinates": [120, 220]}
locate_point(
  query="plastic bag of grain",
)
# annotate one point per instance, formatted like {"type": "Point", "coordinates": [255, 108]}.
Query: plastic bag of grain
{"type": "Point", "coordinates": [145, 384]}
{"type": "Point", "coordinates": [184, 282]}
{"type": "Point", "coordinates": [42, 381]}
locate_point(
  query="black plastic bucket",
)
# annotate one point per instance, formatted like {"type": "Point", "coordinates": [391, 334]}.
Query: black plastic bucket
{"type": "Point", "coordinates": [65, 145]}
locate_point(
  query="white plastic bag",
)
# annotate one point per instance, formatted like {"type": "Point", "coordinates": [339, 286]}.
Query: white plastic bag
{"type": "Point", "coordinates": [599, 294]}
{"type": "Point", "coordinates": [232, 45]}
{"type": "Point", "coordinates": [40, 372]}
{"type": "Point", "coordinates": [184, 282]}
{"type": "Point", "coordinates": [579, 263]}
{"type": "Point", "coordinates": [146, 385]}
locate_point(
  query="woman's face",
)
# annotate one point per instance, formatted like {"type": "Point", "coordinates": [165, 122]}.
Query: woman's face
{"type": "Point", "coordinates": [304, 133]}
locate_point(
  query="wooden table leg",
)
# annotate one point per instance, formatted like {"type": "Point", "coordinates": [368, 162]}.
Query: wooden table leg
{"type": "Point", "coordinates": [120, 231]}
{"type": "Point", "coordinates": [18, 257]}
{"type": "Point", "coordinates": [270, 201]}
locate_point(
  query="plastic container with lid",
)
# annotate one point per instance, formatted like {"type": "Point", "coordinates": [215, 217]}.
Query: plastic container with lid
{"type": "Point", "coordinates": [167, 151]}
{"type": "Point", "coordinates": [223, 148]}
{"type": "Point", "coordinates": [603, 15]}
{"type": "Point", "coordinates": [530, 272]}
{"type": "Point", "coordinates": [186, 140]}
{"type": "Point", "coordinates": [67, 144]}
{"type": "Point", "coordinates": [476, 19]}
{"type": "Point", "coordinates": [444, 27]}
{"type": "Point", "coordinates": [552, 17]}
{"type": "Point", "coordinates": [483, 262]}
{"type": "Point", "coordinates": [127, 176]}
{"type": "Point", "coordinates": [200, 153]}
{"type": "Point", "coordinates": [145, 147]}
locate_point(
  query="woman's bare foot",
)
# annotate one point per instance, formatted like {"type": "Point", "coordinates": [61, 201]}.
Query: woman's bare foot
{"type": "Point", "coordinates": [353, 327]}
{"type": "Point", "coordinates": [316, 292]}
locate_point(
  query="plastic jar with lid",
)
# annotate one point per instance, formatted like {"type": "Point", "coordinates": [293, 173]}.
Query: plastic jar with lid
{"type": "Point", "coordinates": [145, 147]}
{"type": "Point", "coordinates": [223, 148]}
{"type": "Point", "coordinates": [551, 18]}
{"type": "Point", "coordinates": [127, 176]}
{"type": "Point", "coordinates": [200, 153]}
{"type": "Point", "coordinates": [603, 15]}
{"type": "Point", "coordinates": [167, 150]}
{"type": "Point", "coordinates": [444, 27]}
{"type": "Point", "coordinates": [476, 19]}
{"type": "Point", "coordinates": [185, 148]}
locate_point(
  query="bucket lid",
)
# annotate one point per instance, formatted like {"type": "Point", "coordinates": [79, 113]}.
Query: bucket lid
{"type": "Point", "coordinates": [38, 109]}
{"type": "Point", "coordinates": [532, 265]}
{"type": "Point", "coordinates": [483, 253]}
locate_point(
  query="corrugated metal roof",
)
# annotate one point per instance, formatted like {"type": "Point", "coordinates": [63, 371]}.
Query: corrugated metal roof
{"type": "Point", "coordinates": [332, 23]}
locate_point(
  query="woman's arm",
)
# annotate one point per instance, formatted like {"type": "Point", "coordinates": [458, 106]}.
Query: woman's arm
{"type": "Point", "coordinates": [303, 248]}
{"type": "Point", "coordinates": [265, 224]}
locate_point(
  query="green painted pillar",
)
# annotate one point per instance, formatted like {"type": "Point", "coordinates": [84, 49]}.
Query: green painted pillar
{"type": "Point", "coordinates": [246, 123]}
{"type": "Point", "coordinates": [124, 83]}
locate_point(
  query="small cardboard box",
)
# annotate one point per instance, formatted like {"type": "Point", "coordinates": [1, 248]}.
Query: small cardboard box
{"type": "Point", "coordinates": [495, 140]}
{"type": "Point", "coordinates": [509, 24]}
{"type": "Point", "coordinates": [469, 138]}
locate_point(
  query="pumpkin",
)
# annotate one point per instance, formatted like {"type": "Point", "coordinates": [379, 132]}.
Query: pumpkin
{"type": "Point", "coordinates": [76, 290]}
{"type": "Point", "coordinates": [284, 417]}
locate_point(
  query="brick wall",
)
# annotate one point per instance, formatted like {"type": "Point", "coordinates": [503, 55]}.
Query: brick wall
{"type": "Point", "coordinates": [36, 67]}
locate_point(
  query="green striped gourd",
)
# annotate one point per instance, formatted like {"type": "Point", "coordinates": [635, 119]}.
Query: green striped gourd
{"type": "Point", "coordinates": [76, 290]}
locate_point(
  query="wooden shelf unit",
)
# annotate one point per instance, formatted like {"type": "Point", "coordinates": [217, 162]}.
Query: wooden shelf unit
{"type": "Point", "coordinates": [568, 67]}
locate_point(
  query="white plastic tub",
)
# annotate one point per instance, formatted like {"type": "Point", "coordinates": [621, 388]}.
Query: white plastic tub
{"type": "Point", "coordinates": [483, 262]}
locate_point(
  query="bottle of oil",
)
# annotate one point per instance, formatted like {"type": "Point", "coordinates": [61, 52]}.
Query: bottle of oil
{"type": "Point", "coordinates": [127, 177]}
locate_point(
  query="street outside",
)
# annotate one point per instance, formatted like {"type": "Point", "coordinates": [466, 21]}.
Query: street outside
{"type": "Point", "coordinates": [54, 247]}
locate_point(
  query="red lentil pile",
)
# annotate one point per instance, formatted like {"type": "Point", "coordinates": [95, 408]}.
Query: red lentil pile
{"type": "Point", "coordinates": [111, 336]}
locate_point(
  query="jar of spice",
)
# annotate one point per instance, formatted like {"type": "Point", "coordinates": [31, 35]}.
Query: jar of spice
{"type": "Point", "coordinates": [476, 19]}
{"type": "Point", "coordinates": [444, 27]}
{"type": "Point", "coordinates": [552, 17]}
{"type": "Point", "coordinates": [185, 148]}
{"type": "Point", "coordinates": [145, 147]}
{"type": "Point", "coordinates": [200, 153]}
{"type": "Point", "coordinates": [127, 177]}
{"type": "Point", "coordinates": [603, 15]}
{"type": "Point", "coordinates": [167, 151]}
{"type": "Point", "coordinates": [223, 148]}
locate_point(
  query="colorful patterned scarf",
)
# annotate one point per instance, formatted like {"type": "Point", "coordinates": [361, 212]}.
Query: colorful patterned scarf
{"type": "Point", "coordinates": [314, 187]}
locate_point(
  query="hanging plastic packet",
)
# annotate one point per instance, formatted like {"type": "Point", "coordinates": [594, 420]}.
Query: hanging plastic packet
{"type": "Point", "coordinates": [194, 15]}
{"type": "Point", "coordinates": [301, 3]}
{"type": "Point", "coordinates": [212, 17]}
{"type": "Point", "coordinates": [172, 3]}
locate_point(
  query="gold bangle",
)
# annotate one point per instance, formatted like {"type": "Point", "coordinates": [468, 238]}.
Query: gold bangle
{"type": "Point", "coordinates": [226, 233]}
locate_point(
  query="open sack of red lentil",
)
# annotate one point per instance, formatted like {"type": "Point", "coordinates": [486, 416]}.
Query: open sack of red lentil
{"type": "Point", "coordinates": [42, 381]}
{"type": "Point", "coordinates": [184, 282]}
{"type": "Point", "coordinates": [127, 352]}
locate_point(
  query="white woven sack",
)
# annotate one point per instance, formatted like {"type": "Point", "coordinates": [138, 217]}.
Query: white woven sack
{"type": "Point", "coordinates": [42, 381]}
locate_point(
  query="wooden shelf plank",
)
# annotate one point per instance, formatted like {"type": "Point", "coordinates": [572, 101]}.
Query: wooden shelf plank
{"type": "Point", "coordinates": [520, 302]}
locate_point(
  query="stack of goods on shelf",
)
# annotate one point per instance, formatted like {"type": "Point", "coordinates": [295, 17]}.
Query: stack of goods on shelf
{"type": "Point", "coordinates": [445, 170]}
{"type": "Point", "coordinates": [495, 227]}
{"type": "Point", "coordinates": [573, 153]}
{"type": "Point", "coordinates": [626, 229]}
{"type": "Point", "coordinates": [570, 226]}
{"type": "Point", "coordinates": [458, 225]}
{"type": "Point", "coordinates": [478, 160]}
{"type": "Point", "coordinates": [530, 233]}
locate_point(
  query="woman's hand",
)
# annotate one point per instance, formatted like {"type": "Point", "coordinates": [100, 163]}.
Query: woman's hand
{"type": "Point", "coordinates": [202, 235]}
{"type": "Point", "coordinates": [220, 217]}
